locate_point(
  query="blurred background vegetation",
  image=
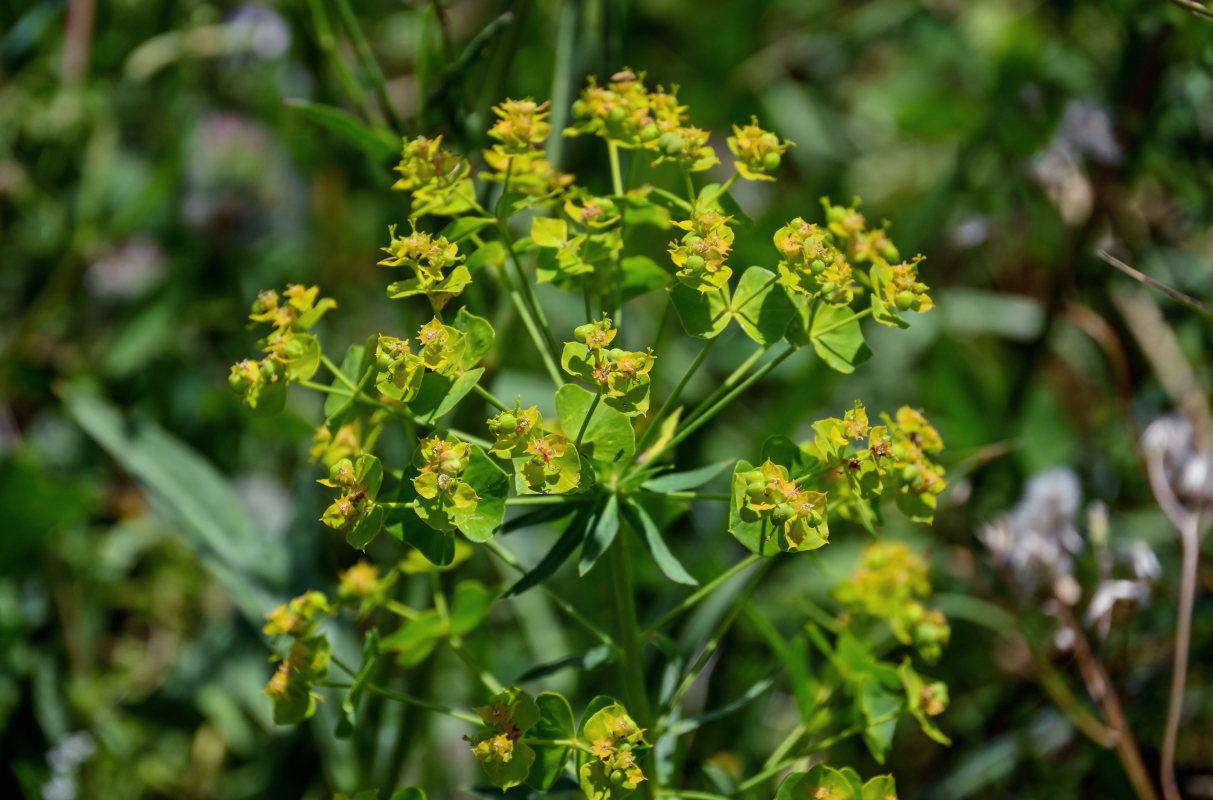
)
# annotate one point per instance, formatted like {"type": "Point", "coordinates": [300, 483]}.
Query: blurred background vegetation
{"type": "Point", "coordinates": [152, 180]}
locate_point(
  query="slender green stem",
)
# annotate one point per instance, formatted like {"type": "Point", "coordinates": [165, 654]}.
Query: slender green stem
{"type": "Point", "coordinates": [369, 65]}
{"type": "Point", "coordinates": [655, 423]}
{"type": "Point", "coordinates": [616, 173]}
{"type": "Point", "coordinates": [700, 593]}
{"type": "Point", "coordinates": [576, 744]}
{"type": "Point", "coordinates": [690, 187]}
{"type": "Point", "coordinates": [696, 496]}
{"type": "Point", "coordinates": [529, 291]}
{"type": "Point", "coordinates": [487, 395]}
{"type": "Point", "coordinates": [506, 556]}
{"type": "Point", "coordinates": [729, 383]}
{"type": "Point", "coordinates": [337, 373]}
{"type": "Point", "coordinates": [673, 198]}
{"type": "Point", "coordinates": [632, 664]}
{"type": "Point", "coordinates": [426, 704]}
{"type": "Point", "coordinates": [546, 500]}
{"type": "Point", "coordinates": [699, 421]}
{"type": "Point", "coordinates": [690, 794]}
{"type": "Point", "coordinates": [403, 413]}
{"type": "Point", "coordinates": [817, 334]}
{"type": "Point", "coordinates": [780, 766]}
{"type": "Point", "coordinates": [755, 295]}
{"type": "Point", "coordinates": [585, 423]}
{"type": "Point", "coordinates": [717, 637]}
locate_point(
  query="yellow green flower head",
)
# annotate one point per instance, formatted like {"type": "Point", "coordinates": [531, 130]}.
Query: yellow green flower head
{"type": "Point", "coordinates": [425, 164]}
{"type": "Point", "coordinates": [529, 173]}
{"type": "Point", "coordinates": [297, 618]}
{"type": "Point", "coordinates": [590, 211]}
{"type": "Point", "coordinates": [442, 456]}
{"type": "Point", "coordinates": [515, 430]}
{"type": "Point", "coordinates": [521, 125]}
{"type": "Point", "coordinates": [329, 447]}
{"type": "Point", "coordinates": [687, 147]}
{"type": "Point", "coordinates": [700, 254]}
{"type": "Point", "coordinates": [758, 151]}
{"type": "Point", "coordinates": [428, 256]}
{"type": "Point", "coordinates": [360, 580]}
{"type": "Point", "coordinates": [441, 346]}
{"type": "Point", "coordinates": [595, 335]}
{"type": "Point", "coordinates": [875, 246]}
{"type": "Point", "coordinates": [903, 289]}
{"type": "Point", "coordinates": [844, 221]}
{"type": "Point", "coordinates": [625, 112]}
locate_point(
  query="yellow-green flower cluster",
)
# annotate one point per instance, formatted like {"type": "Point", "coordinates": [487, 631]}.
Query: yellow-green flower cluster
{"type": "Point", "coordinates": [887, 584]}
{"type": "Point", "coordinates": [428, 169]}
{"type": "Point", "coordinates": [626, 113]}
{"type": "Point", "coordinates": [700, 254]}
{"type": "Point", "coordinates": [759, 152]}
{"type": "Point", "coordinates": [292, 354]}
{"type": "Point", "coordinates": [799, 514]}
{"type": "Point", "coordinates": [307, 661]}
{"type": "Point", "coordinates": [497, 745]}
{"type": "Point", "coordinates": [445, 499]}
{"type": "Point", "coordinates": [614, 741]}
{"type": "Point", "coordinates": [521, 126]}
{"type": "Point", "coordinates": [429, 257]}
{"type": "Point", "coordinates": [812, 264]}
{"type": "Point", "coordinates": [620, 375]}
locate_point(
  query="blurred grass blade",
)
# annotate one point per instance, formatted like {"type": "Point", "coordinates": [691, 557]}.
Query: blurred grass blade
{"type": "Point", "coordinates": [381, 145]}
{"type": "Point", "coordinates": [190, 493]}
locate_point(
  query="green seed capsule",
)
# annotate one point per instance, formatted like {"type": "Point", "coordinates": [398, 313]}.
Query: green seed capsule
{"type": "Point", "coordinates": [694, 262]}
{"type": "Point", "coordinates": [890, 253]}
{"type": "Point", "coordinates": [828, 287]}
{"type": "Point", "coordinates": [782, 513]}
{"type": "Point", "coordinates": [748, 514]}
{"type": "Point", "coordinates": [670, 143]}
{"type": "Point", "coordinates": [692, 239]}
{"type": "Point", "coordinates": [238, 382]}
{"type": "Point", "coordinates": [817, 266]}
{"type": "Point", "coordinates": [451, 467]}
{"type": "Point", "coordinates": [756, 492]}
{"type": "Point", "coordinates": [905, 299]}
{"type": "Point", "coordinates": [614, 354]}
{"type": "Point", "coordinates": [650, 132]}
{"type": "Point", "coordinates": [770, 162]}
{"type": "Point", "coordinates": [815, 519]}
{"type": "Point", "coordinates": [582, 331]}
{"type": "Point", "coordinates": [506, 422]}
{"type": "Point", "coordinates": [835, 213]}
{"type": "Point", "coordinates": [383, 362]}
{"type": "Point", "coordinates": [616, 115]}
{"type": "Point", "coordinates": [911, 475]}
{"type": "Point", "coordinates": [617, 776]}
{"type": "Point", "coordinates": [580, 109]}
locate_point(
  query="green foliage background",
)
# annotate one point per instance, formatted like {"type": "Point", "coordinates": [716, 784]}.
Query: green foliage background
{"type": "Point", "coordinates": [152, 180]}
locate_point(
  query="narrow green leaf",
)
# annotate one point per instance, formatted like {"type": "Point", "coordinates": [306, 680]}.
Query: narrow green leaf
{"type": "Point", "coordinates": [689, 724]}
{"type": "Point", "coordinates": [565, 545]}
{"type": "Point", "coordinates": [441, 393]}
{"type": "Point", "coordinates": [683, 481]}
{"type": "Point", "coordinates": [602, 533]}
{"type": "Point", "coordinates": [381, 145]}
{"type": "Point", "coordinates": [643, 524]}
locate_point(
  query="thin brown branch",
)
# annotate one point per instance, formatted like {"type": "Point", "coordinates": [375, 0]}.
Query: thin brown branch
{"type": "Point", "coordinates": [1174, 294]}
